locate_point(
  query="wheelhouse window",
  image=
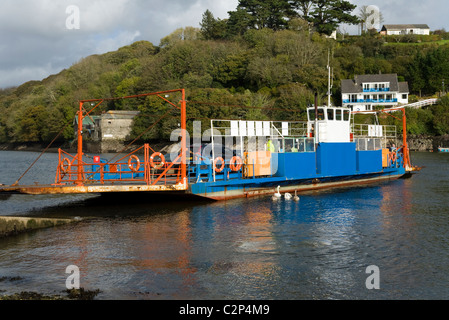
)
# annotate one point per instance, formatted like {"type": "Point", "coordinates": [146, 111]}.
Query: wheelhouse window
{"type": "Point", "coordinates": [320, 115]}
{"type": "Point", "coordinates": [338, 115]}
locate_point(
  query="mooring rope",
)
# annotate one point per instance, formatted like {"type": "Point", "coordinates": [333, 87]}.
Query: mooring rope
{"type": "Point", "coordinates": [42, 153]}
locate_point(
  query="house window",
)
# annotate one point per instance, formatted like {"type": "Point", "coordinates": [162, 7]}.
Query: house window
{"type": "Point", "coordinates": [366, 86]}
{"type": "Point", "coordinates": [353, 98]}
{"type": "Point", "coordinates": [404, 96]}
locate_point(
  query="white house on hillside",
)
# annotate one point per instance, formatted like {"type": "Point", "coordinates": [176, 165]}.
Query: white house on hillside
{"type": "Point", "coordinates": [401, 29]}
{"type": "Point", "coordinates": [367, 91]}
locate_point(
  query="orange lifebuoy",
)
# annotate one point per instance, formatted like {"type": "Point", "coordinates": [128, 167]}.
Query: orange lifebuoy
{"type": "Point", "coordinates": [161, 164]}
{"type": "Point", "coordinates": [393, 157]}
{"type": "Point", "coordinates": [130, 163]}
{"type": "Point", "coordinates": [236, 163]}
{"type": "Point", "coordinates": [65, 165]}
{"type": "Point", "coordinates": [222, 164]}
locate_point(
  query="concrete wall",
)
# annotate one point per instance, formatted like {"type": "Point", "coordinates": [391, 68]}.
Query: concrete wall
{"type": "Point", "coordinates": [115, 129]}
{"type": "Point", "coordinates": [15, 225]}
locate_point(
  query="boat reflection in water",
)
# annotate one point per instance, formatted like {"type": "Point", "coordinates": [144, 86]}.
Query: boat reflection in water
{"type": "Point", "coordinates": [317, 248]}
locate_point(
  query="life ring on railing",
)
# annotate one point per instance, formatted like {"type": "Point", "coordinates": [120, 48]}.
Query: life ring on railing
{"type": "Point", "coordinates": [393, 157]}
{"type": "Point", "coordinates": [65, 165]}
{"type": "Point", "coordinates": [236, 163]}
{"type": "Point", "coordinates": [161, 164]}
{"type": "Point", "coordinates": [222, 164]}
{"type": "Point", "coordinates": [130, 163]}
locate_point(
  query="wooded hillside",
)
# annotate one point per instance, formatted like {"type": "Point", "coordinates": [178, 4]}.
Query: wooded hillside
{"type": "Point", "coordinates": [261, 73]}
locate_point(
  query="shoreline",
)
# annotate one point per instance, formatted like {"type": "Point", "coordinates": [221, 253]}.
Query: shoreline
{"type": "Point", "coordinates": [424, 143]}
{"type": "Point", "coordinates": [32, 147]}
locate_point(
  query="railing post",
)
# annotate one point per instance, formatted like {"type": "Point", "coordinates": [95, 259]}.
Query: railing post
{"type": "Point", "coordinates": [183, 139]}
{"type": "Point", "coordinates": [58, 171]}
{"type": "Point", "coordinates": [79, 179]}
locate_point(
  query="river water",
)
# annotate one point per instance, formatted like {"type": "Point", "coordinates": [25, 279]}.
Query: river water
{"type": "Point", "coordinates": [318, 248]}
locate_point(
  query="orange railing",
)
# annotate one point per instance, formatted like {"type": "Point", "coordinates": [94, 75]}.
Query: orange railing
{"type": "Point", "coordinates": [131, 168]}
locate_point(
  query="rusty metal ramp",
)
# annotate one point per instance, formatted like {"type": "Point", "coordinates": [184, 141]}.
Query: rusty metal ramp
{"type": "Point", "coordinates": [94, 188]}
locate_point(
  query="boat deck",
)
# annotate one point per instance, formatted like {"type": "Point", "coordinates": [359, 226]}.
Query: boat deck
{"type": "Point", "coordinates": [91, 188]}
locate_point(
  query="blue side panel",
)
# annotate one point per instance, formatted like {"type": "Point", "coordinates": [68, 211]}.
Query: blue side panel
{"type": "Point", "coordinates": [369, 161]}
{"type": "Point", "coordinates": [336, 159]}
{"type": "Point", "coordinates": [295, 165]}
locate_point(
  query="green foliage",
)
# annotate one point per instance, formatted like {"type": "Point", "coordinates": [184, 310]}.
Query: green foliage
{"type": "Point", "coordinates": [326, 15]}
{"type": "Point", "coordinates": [212, 28]}
{"type": "Point", "coordinates": [272, 14]}
{"type": "Point", "coordinates": [441, 116]}
{"type": "Point", "coordinates": [428, 71]}
{"type": "Point", "coordinates": [258, 64]}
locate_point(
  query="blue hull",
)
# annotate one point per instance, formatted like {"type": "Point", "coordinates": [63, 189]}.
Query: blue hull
{"type": "Point", "coordinates": [332, 165]}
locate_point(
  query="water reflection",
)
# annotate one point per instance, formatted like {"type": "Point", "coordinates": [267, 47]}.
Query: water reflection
{"type": "Point", "coordinates": [255, 248]}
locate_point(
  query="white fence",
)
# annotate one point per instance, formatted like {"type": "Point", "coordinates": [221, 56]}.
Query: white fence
{"type": "Point", "coordinates": [416, 105]}
{"type": "Point", "coordinates": [420, 104]}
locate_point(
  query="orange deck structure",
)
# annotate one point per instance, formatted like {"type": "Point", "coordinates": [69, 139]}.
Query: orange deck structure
{"type": "Point", "coordinates": [127, 174]}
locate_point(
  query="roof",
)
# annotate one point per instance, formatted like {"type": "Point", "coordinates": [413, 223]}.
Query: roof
{"type": "Point", "coordinates": [403, 87]}
{"type": "Point", "coordinates": [348, 86]}
{"type": "Point", "coordinates": [355, 86]}
{"type": "Point", "coordinates": [111, 114]}
{"type": "Point", "coordinates": [87, 121]}
{"type": "Point", "coordinates": [404, 26]}
{"type": "Point", "coordinates": [120, 114]}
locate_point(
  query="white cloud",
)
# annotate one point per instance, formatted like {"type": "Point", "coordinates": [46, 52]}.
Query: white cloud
{"type": "Point", "coordinates": [28, 72]}
{"type": "Point", "coordinates": [432, 13]}
{"type": "Point", "coordinates": [113, 43]}
{"type": "Point", "coordinates": [36, 42]}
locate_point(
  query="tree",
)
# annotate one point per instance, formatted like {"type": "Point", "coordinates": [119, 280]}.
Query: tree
{"type": "Point", "coordinates": [436, 68]}
{"type": "Point", "coordinates": [258, 14]}
{"type": "Point", "coordinates": [212, 28]}
{"type": "Point", "coordinates": [239, 22]}
{"type": "Point", "coordinates": [415, 73]}
{"type": "Point", "coordinates": [180, 34]}
{"type": "Point", "coordinates": [207, 25]}
{"type": "Point", "coordinates": [326, 15]}
{"type": "Point", "coordinates": [304, 7]}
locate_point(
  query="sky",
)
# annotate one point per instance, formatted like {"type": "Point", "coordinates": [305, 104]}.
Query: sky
{"type": "Point", "coordinates": [42, 37]}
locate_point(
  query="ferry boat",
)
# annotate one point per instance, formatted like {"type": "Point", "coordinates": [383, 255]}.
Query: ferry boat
{"type": "Point", "coordinates": [441, 149]}
{"type": "Point", "coordinates": [242, 158]}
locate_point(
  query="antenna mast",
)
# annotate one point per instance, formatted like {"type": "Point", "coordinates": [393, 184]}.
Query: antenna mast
{"type": "Point", "coordinates": [330, 79]}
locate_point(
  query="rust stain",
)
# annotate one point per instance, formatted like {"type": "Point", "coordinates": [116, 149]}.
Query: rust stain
{"type": "Point", "coordinates": [75, 189]}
